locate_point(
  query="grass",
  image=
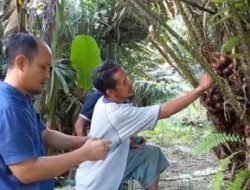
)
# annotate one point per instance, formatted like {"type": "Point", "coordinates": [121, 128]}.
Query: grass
{"type": "Point", "coordinates": [189, 125]}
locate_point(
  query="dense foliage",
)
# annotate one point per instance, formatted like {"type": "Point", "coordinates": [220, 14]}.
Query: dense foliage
{"type": "Point", "coordinates": [163, 45]}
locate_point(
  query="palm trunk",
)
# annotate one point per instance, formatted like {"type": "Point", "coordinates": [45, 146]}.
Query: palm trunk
{"type": "Point", "coordinates": [244, 45]}
{"type": "Point", "coordinates": [48, 21]}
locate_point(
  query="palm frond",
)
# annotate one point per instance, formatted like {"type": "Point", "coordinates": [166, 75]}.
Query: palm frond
{"type": "Point", "coordinates": [218, 179]}
{"type": "Point", "coordinates": [216, 139]}
{"type": "Point", "coordinates": [240, 178]}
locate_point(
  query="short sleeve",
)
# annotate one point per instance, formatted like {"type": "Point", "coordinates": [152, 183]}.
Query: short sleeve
{"type": "Point", "coordinates": [89, 105]}
{"type": "Point", "coordinates": [128, 120]}
{"type": "Point", "coordinates": [18, 136]}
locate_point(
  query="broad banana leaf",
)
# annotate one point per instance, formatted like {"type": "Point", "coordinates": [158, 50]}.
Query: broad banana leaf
{"type": "Point", "coordinates": [84, 57]}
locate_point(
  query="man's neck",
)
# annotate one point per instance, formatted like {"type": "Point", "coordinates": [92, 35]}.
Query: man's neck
{"type": "Point", "coordinates": [114, 99]}
{"type": "Point", "coordinates": [13, 82]}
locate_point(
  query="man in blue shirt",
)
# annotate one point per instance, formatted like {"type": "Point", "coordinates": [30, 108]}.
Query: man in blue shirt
{"type": "Point", "coordinates": [23, 162]}
{"type": "Point", "coordinates": [85, 115]}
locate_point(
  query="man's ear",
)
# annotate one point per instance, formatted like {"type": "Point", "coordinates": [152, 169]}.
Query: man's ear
{"type": "Point", "coordinates": [21, 61]}
{"type": "Point", "coordinates": [110, 92]}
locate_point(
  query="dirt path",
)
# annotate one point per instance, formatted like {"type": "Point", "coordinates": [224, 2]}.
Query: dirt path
{"type": "Point", "coordinates": [187, 171]}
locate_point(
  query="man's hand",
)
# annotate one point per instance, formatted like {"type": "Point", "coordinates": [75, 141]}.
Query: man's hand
{"type": "Point", "coordinates": [137, 142]}
{"type": "Point", "coordinates": [173, 106]}
{"type": "Point", "coordinates": [96, 149]}
{"type": "Point", "coordinates": [205, 81]}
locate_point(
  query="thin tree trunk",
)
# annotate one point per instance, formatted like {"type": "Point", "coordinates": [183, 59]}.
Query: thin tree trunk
{"type": "Point", "coordinates": [48, 21]}
{"type": "Point", "coordinates": [48, 24]}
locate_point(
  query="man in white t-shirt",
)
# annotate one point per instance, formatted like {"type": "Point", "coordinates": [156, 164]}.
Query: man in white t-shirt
{"type": "Point", "coordinates": [148, 154]}
{"type": "Point", "coordinates": [116, 121]}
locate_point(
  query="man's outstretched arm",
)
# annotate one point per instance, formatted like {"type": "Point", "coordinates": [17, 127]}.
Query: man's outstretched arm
{"type": "Point", "coordinates": [173, 106]}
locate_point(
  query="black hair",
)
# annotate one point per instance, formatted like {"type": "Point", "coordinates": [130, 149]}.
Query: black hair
{"type": "Point", "coordinates": [21, 43]}
{"type": "Point", "coordinates": [102, 77]}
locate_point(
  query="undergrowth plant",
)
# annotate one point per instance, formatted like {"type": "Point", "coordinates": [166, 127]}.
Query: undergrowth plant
{"type": "Point", "coordinates": [240, 178]}
{"type": "Point", "coordinates": [214, 140]}
{"type": "Point", "coordinates": [218, 178]}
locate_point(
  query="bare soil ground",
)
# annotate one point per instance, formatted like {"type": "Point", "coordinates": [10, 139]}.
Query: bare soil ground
{"type": "Point", "coordinates": [187, 171]}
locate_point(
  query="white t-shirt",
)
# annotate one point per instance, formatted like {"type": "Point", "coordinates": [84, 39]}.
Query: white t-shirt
{"type": "Point", "coordinates": [116, 122]}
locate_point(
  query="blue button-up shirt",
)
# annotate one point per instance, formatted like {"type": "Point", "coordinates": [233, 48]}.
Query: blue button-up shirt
{"type": "Point", "coordinates": [20, 137]}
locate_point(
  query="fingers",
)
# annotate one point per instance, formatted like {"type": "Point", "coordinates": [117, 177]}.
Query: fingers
{"type": "Point", "coordinates": [144, 140]}
{"type": "Point", "coordinates": [105, 152]}
{"type": "Point", "coordinates": [92, 138]}
{"type": "Point", "coordinates": [137, 142]}
{"type": "Point", "coordinates": [97, 149]}
{"type": "Point", "coordinates": [107, 142]}
{"type": "Point", "coordinates": [205, 81]}
{"type": "Point", "coordinates": [206, 76]}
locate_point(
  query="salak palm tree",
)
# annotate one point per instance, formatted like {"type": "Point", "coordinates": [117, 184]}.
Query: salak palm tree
{"type": "Point", "coordinates": [212, 26]}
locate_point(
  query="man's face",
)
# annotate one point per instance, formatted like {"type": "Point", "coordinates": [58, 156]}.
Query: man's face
{"type": "Point", "coordinates": [37, 71]}
{"type": "Point", "coordinates": [124, 88]}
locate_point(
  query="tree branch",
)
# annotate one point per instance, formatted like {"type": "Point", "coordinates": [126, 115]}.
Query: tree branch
{"type": "Point", "coordinates": [195, 5]}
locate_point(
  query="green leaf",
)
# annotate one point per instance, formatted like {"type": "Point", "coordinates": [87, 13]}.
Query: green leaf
{"type": "Point", "coordinates": [84, 57]}
{"type": "Point", "coordinates": [239, 5]}
{"type": "Point", "coordinates": [222, 20]}
{"type": "Point", "coordinates": [52, 82]}
{"type": "Point", "coordinates": [62, 80]}
{"type": "Point", "coordinates": [221, 13]}
{"type": "Point", "coordinates": [218, 181]}
{"type": "Point", "coordinates": [232, 42]}
{"type": "Point", "coordinates": [239, 179]}
{"type": "Point", "coordinates": [218, 1]}
{"type": "Point", "coordinates": [216, 139]}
